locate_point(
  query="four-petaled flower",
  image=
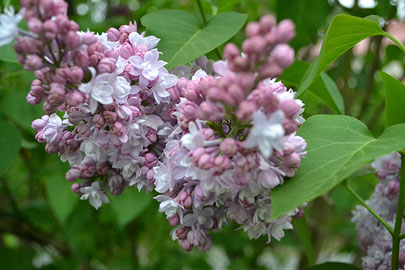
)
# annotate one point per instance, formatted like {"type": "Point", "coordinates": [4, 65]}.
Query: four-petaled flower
{"type": "Point", "coordinates": [94, 194]}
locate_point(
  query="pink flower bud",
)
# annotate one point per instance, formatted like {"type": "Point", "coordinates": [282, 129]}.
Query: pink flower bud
{"type": "Point", "coordinates": [199, 193]}
{"type": "Point", "coordinates": [32, 100]}
{"type": "Point", "coordinates": [290, 126]}
{"type": "Point", "coordinates": [89, 38]}
{"type": "Point", "coordinates": [252, 29]}
{"type": "Point", "coordinates": [72, 40]}
{"type": "Point", "coordinates": [126, 50]}
{"type": "Point", "coordinates": [231, 51]}
{"type": "Point", "coordinates": [266, 23]}
{"type": "Point", "coordinates": [60, 8]}
{"type": "Point", "coordinates": [106, 65]}
{"type": "Point", "coordinates": [98, 120]}
{"type": "Point", "coordinates": [186, 245]}
{"type": "Point", "coordinates": [222, 163]}
{"type": "Point", "coordinates": [290, 108]}
{"type": "Point", "coordinates": [150, 160]}
{"type": "Point", "coordinates": [229, 147]}
{"type": "Point", "coordinates": [285, 31]}
{"type": "Point", "coordinates": [197, 153]}
{"type": "Point", "coordinates": [174, 220]}
{"type": "Point", "coordinates": [87, 167]}
{"type": "Point", "coordinates": [75, 188]}
{"type": "Point", "coordinates": [118, 129]}
{"type": "Point", "coordinates": [283, 54]}
{"type": "Point", "coordinates": [174, 94]}
{"type": "Point", "coordinates": [113, 34]}
{"type": "Point", "coordinates": [81, 59]}
{"type": "Point", "coordinates": [185, 199]}
{"type": "Point", "coordinates": [293, 160]}
{"type": "Point", "coordinates": [246, 109]}
{"type": "Point", "coordinates": [393, 188]}
{"type": "Point", "coordinates": [33, 62]}
{"type": "Point", "coordinates": [73, 174]}
{"type": "Point", "coordinates": [74, 98]}
{"type": "Point", "coordinates": [115, 184]}
{"type": "Point", "coordinates": [182, 232]}
{"type": "Point", "coordinates": [236, 92]}
{"type": "Point", "coordinates": [189, 109]}
{"type": "Point", "coordinates": [50, 29]}
{"type": "Point", "coordinates": [110, 117]}
{"type": "Point", "coordinates": [35, 25]}
{"type": "Point", "coordinates": [83, 131]}
{"type": "Point", "coordinates": [76, 74]}
{"type": "Point", "coordinates": [39, 124]}
{"type": "Point", "coordinates": [205, 162]}
{"type": "Point", "coordinates": [63, 23]}
{"type": "Point", "coordinates": [254, 45]}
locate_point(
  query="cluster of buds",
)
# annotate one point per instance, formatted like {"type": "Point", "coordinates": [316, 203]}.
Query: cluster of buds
{"type": "Point", "coordinates": [106, 98]}
{"type": "Point", "coordinates": [374, 238]}
{"type": "Point", "coordinates": [235, 143]}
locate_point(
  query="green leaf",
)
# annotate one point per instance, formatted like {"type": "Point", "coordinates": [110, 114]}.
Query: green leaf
{"type": "Point", "coordinates": [394, 100]}
{"type": "Point", "coordinates": [7, 53]}
{"type": "Point", "coordinates": [307, 20]}
{"type": "Point", "coordinates": [304, 234]}
{"type": "Point", "coordinates": [183, 39]}
{"type": "Point", "coordinates": [129, 205]}
{"type": "Point", "coordinates": [333, 266]}
{"type": "Point", "coordinates": [337, 147]}
{"type": "Point", "coordinates": [61, 198]}
{"type": "Point", "coordinates": [323, 87]}
{"type": "Point", "coordinates": [343, 33]}
{"type": "Point", "coordinates": [10, 143]}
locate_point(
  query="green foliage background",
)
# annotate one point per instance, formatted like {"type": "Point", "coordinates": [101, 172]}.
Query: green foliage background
{"type": "Point", "coordinates": [40, 218]}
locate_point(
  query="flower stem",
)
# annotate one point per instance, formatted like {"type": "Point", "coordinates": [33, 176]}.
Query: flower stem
{"type": "Point", "coordinates": [357, 196]}
{"type": "Point", "coordinates": [396, 237]}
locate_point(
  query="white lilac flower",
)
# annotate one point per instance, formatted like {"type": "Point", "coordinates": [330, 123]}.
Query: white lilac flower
{"type": "Point", "coordinates": [150, 41]}
{"type": "Point", "coordinates": [95, 196]}
{"type": "Point", "coordinates": [105, 88]}
{"type": "Point", "coordinates": [9, 25]}
{"type": "Point", "coordinates": [159, 89]}
{"type": "Point", "coordinates": [53, 128]}
{"type": "Point", "coordinates": [147, 68]}
{"type": "Point", "coordinates": [267, 133]}
{"type": "Point", "coordinates": [163, 178]}
{"type": "Point", "coordinates": [169, 206]}
{"type": "Point", "coordinates": [194, 138]}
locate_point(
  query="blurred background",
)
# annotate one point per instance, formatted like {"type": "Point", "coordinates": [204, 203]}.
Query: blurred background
{"type": "Point", "coordinates": [43, 225]}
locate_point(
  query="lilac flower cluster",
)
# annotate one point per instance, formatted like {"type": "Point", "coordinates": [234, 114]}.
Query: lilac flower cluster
{"type": "Point", "coordinates": [374, 238]}
{"type": "Point", "coordinates": [235, 141]}
{"type": "Point", "coordinates": [106, 98]}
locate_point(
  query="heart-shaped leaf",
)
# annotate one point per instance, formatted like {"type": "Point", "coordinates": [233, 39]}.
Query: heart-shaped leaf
{"type": "Point", "coordinates": [323, 86]}
{"type": "Point", "coordinates": [129, 205]}
{"type": "Point", "coordinates": [183, 39]}
{"type": "Point", "coordinates": [394, 100]}
{"type": "Point", "coordinates": [343, 33]}
{"type": "Point", "coordinates": [10, 143]}
{"type": "Point", "coordinates": [337, 147]}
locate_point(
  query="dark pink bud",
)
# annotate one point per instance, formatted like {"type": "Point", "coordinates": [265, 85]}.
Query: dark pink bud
{"type": "Point", "coordinates": [98, 120]}
{"type": "Point", "coordinates": [110, 117]}
{"type": "Point", "coordinates": [39, 124]}
{"type": "Point", "coordinates": [106, 65]}
{"type": "Point", "coordinates": [75, 188]}
{"type": "Point", "coordinates": [174, 94]}
{"type": "Point", "coordinates": [150, 160]}
{"type": "Point", "coordinates": [246, 109]}
{"type": "Point", "coordinates": [89, 38]}
{"type": "Point", "coordinates": [83, 130]}
{"type": "Point", "coordinates": [32, 100]}
{"type": "Point", "coordinates": [197, 153]}
{"type": "Point", "coordinates": [283, 54]}
{"type": "Point", "coordinates": [174, 220]}
{"type": "Point", "coordinates": [266, 23]}
{"type": "Point", "coordinates": [199, 193]}
{"type": "Point", "coordinates": [189, 109]}
{"type": "Point", "coordinates": [35, 25]}
{"type": "Point", "coordinates": [285, 31]}
{"type": "Point", "coordinates": [229, 147]}
{"type": "Point", "coordinates": [236, 92]}
{"type": "Point", "coordinates": [113, 34]}
{"type": "Point", "coordinates": [102, 168]}
{"type": "Point", "coordinates": [231, 51]}
{"type": "Point", "coordinates": [184, 199]}
{"type": "Point", "coordinates": [206, 162]}
{"type": "Point", "coordinates": [393, 188]}
{"type": "Point", "coordinates": [50, 29]}
{"type": "Point", "coordinates": [74, 98]}
{"type": "Point", "coordinates": [290, 108]}
{"type": "Point", "coordinates": [72, 40]}
{"type": "Point", "coordinates": [290, 126]}
{"type": "Point", "coordinates": [33, 62]}
{"type": "Point", "coordinates": [252, 29]}
{"type": "Point", "coordinates": [254, 45]}
{"type": "Point", "coordinates": [73, 26]}
{"type": "Point", "coordinates": [126, 50]}
{"type": "Point", "coordinates": [63, 23]}
{"type": "Point", "coordinates": [81, 59]}
{"type": "Point", "coordinates": [76, 74]}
